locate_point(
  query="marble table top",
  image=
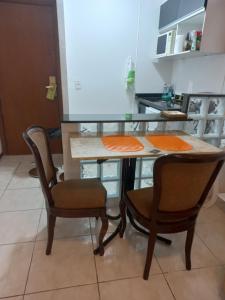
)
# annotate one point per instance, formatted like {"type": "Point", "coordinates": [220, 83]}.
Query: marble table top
{"type": "Point", "coordinates": [92, 148]}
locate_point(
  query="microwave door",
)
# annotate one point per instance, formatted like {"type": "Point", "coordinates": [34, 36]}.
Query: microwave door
{"type": "Point", "coordinates": [161, 45]}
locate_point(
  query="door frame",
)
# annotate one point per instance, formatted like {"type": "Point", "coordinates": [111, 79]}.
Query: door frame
{"type": "Point", "coordinates": [51, 3]}
{"type": "Point", "coordinates": [2, 131]}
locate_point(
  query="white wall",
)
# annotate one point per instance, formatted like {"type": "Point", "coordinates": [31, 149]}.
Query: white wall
{"type": "Point", "coordinates": [199, 74]}
{"type": "Point", "coordinates": [150, 76]}
{"type": "Point", "coordinates": [99, 36]}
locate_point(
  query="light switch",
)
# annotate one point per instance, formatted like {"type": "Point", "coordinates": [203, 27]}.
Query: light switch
{"type": "Point", "coordinates": [77, 85]}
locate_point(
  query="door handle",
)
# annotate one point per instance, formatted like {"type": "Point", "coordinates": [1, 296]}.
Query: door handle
{"type": "Point", "coordinates": [51, 88]}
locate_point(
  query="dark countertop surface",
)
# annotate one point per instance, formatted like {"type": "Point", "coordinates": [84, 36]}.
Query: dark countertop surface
{"type": "Point", "coordinates": [115, 118]}
{"type": "Point", "coordinates": [156, 101]}
{"type": "Point", "coordinates": [160, 104]}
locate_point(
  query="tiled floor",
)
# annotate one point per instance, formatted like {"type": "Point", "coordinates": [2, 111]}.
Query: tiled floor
{"type": "Point", "coordinates": [73, 272]}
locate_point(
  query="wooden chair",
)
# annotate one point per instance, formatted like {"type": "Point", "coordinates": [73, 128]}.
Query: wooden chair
{"type": "Point", "coordinates": [181, 185]}
{"type": "Point", "coordinates": [78, 198]}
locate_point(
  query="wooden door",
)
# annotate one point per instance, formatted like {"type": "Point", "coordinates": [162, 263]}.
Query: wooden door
{"type": "Point", "coordinates": [28, 56]}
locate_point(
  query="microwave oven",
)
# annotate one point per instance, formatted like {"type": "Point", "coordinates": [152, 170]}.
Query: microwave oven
{"type": "Point", "coordinates": [166, 43]}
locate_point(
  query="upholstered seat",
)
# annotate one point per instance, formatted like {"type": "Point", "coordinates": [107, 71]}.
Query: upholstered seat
{"type": "Point", "coordinates": [79, 194]}
{"type": "Point", "coordinates": [142, 200]}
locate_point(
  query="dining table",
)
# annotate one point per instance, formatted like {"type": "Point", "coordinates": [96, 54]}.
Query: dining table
{"type": "Point", "coordinates": [88, 147]}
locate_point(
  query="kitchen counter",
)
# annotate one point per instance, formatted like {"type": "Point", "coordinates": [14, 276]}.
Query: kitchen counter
{"type": "Point", "coordinates": [116, 118]}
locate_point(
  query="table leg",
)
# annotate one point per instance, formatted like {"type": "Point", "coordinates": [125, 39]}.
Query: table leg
{"type": "Point", "coordinates": [110, 238]}
{"type": "Point", "coordinates": [128, 179]}
{"type": "Point", "coordinates": [110, 217]}
{"type": "Point", "coordinates": [128, 175]}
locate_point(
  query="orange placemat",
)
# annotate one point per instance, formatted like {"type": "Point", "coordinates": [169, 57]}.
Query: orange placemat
{"type": "Point", "coordinates": [168, 142]}
{"type": "Point", "coordinates": [122, 143]}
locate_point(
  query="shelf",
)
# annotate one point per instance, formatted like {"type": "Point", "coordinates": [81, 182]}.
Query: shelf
{"type": "Point", "coordinates": [215, 117]}
{"type": "Point", "coordinates": [181, 55]}
{"type": "Point", "coordinates": [198, 136]}
{"type": "Point", "coordinates": [211, 136]}
{"type": "Point", "coordinates": [196, 117]}
{"type": "Point", "coordinates": [207, 117]}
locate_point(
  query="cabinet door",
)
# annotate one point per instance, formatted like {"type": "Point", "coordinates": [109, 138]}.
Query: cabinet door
{"type": "Point", "coordinates": [188, 6]}
{"type": "Point", "coordinates": [168, 12]}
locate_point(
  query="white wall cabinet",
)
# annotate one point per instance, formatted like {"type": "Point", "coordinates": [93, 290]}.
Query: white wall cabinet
{"type": "Point", "coordinates": [173, 10]}
{"type": "Point", "coordinates": [184, 16]}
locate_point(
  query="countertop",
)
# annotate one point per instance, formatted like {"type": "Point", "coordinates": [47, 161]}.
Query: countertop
{"type": "Point", "coordinates": [116, 118]}
{"type": "Point", "coordinates": [156, 101]}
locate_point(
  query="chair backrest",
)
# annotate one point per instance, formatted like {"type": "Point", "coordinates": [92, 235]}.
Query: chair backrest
{"type": "Point", "coordinates": [37, 140]}
{"type": "Point", "coordinates": [182, 183]}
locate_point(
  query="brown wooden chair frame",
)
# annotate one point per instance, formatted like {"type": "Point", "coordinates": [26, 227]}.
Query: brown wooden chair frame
{"type": "Point", "coordinates": [52, 211]}
{"type": "Point", "coordinates": [170, 222]}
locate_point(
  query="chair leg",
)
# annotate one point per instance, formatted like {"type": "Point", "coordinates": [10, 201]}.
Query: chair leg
{"type": "Point", "coordinates": [123, 218]}
{"type": "Point", "coordinates": [102, 233]}
{"type": "Point", "coordinates": [151, 246]}
{"type": "Point", "coordinates": [188, 246]}
{"type": "Point", "coordinates": [51, 226]}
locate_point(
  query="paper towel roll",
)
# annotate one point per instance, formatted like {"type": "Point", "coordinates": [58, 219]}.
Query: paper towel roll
{"type": "Point", "coordinates": [179, 43]}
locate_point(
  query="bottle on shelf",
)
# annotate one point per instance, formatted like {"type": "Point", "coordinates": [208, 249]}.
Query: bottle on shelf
{"type": "Point", "coordinates": [168, 93]}
{"type": "Point", "coordinates": [165, 91]}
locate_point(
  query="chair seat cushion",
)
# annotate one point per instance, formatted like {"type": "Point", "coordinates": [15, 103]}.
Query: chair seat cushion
{"type": "Point", "coordinates": [142, 200]}
{"type": "Point", "coordinates": [79, 194]}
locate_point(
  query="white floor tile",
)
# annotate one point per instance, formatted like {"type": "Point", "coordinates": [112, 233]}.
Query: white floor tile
{"type": "Point", "coordinates": [13, 298]}
{"type": "Point", "coordinates": [70, 264]}
{"type": "Point", "coordinates": [212, 214]}
{"type": "Point", "coordinates": [202, 284]}
{"type": "Point", "coordinates": [23, 181]}
{"type": "Point", "coordinates": [25, 166]}
{"type": "Point", "coordinates": [155, 288]}
{"type": "Point", "coordinates": [76, 293]}
{"type": "Point", "coordinates": [5, 178]}
{"type": "Point", "coordinates": [18, 226]}
{"type": "Point", "coordinates": [124, 258]}
{"type": "Point", "coordinates": [14, 265]}
{"type": "Point", "coordinates": [22, 199]}
{"type": "Point", "coordinates": [213, 235]}
{"type": "Point", "coordinates": [64, 228]}
{"type": "Point", "coordinates": [172, 258]}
